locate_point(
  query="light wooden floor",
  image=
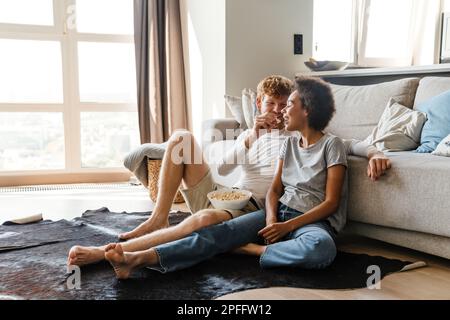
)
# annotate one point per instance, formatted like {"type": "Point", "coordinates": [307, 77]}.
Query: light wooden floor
{"type": "Point", "coordinates": [431, 282]}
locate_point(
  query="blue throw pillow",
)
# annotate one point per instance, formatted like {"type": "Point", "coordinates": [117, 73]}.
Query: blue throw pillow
{"type": "Point", "coordinates": [437, 126]}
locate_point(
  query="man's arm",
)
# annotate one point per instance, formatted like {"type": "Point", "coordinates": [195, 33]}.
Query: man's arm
{"type": "Point", "coordinates": [378, 162]}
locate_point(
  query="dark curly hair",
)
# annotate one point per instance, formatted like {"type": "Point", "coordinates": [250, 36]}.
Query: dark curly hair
{"type": "Point", "coordinates": [317, 98]}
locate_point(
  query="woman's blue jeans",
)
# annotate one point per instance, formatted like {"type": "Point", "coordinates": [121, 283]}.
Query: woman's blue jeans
{"type": "Point", "coordinates": [310, 247]}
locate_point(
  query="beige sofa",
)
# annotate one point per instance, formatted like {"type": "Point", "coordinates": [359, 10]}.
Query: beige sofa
{"type": "Point", "coordinates": [410, 206]}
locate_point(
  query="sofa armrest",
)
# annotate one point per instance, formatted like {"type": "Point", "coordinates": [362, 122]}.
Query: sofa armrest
{"type": "Point", "coordinates": [219, 129]}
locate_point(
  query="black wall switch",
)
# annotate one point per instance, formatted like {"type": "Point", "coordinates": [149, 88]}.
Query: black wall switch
{"type": "Point", "coordinates": [298, 44]}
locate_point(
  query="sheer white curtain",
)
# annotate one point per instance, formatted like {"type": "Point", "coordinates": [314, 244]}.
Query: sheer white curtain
{"type": "Point", "coordinates": [399, 33]}
{"type": "Point", "coordinates": [427, 32]}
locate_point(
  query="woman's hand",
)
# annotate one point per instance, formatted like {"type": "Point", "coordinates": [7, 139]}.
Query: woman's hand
{"type": "Point", "coordinates": [274, 232]}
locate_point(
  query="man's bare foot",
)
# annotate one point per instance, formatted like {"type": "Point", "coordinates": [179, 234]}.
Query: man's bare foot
{"type": "Point", "coordinates": [251, 249]}
{"type": "Point", "coordinates": [81, 256]}
{"type": "Point", "coordinates": [123, 263]}
{"type": "Point", "coordinates": [144, 228]}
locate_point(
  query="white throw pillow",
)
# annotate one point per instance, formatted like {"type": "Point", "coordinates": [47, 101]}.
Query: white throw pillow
{"type": "Point", "coordinates": [399, 128]}
{"type": "Point", "coordinates": [249, 106]}
{"type": "Point", "coordinates": [443, 149]}
{"type": "Point", "coordinates": [234, 104]}
{"type": "Point", "coordinates": [243, 109]}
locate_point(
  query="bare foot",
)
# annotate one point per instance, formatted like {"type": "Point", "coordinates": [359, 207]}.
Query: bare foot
{"type": "Point", "coordinates": [81, 256]}
{"type": "Point", "coordinates": [123, 263]}
{"type": "Point", "coordinates": [251, 249]}
{"type": "Point", "coordinates": [144, 228]}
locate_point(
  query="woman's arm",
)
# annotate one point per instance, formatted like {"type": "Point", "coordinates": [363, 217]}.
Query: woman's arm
{"type": "Point", "coordinates": [274, 194]}
{"type": "Point", "coordinates": [335, 180]}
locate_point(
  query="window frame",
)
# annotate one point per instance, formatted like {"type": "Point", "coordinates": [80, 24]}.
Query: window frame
{"type": "Point", "coordinates": [360, 19]}
{"type": "Point", "coordinates": [71, 107]}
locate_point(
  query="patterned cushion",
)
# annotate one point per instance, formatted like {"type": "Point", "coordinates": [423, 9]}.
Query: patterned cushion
{"type": "Point", "coordinates": [443, 149]}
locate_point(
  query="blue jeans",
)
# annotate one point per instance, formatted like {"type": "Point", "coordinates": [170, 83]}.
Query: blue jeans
{"type": "Point", "coordinates": [310, 247]}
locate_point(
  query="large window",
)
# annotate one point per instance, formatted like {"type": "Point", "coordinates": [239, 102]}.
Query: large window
{"type": "Point", "coordinates": [388, 29]}
{"type": "Point", "coordinates": [334, 30]}
{"type": "Point", "coordinates": [377, 32]}
{"type": "Point", "coordinates": [67, 86]}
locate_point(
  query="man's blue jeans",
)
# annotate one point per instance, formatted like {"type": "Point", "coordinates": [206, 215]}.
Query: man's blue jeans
{"type": "Point", "coordinates": [310, 247]}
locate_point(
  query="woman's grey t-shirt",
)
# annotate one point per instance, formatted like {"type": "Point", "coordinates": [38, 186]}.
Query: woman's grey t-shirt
{"type": "Point", "coordinates": [304, 175]}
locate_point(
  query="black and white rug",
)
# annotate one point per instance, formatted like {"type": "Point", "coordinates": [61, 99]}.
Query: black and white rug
{"type": "Point", "coordinates": [33, 265]}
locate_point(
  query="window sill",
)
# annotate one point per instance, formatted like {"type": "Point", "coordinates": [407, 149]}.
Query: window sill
{"type": "Point", "coordinates": [24, 179]}
{"type": "Point", "coordinates": [368, 72]}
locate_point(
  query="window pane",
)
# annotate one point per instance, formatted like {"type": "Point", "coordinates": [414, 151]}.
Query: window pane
{"type": "Point", "coordinates": [107, 137]}
{"type": "Point", "coordinates": [107, 72]}
{"type": "Point", "coordinates": [31, 141]}
{"type": "Point", "coordinates": [36, 12]}
{"type": "Point", "coordinates": [388, 29]}
{"type": "Point", "coordinates": [30, 71]}
{"type": "Point", "coordinates": [105, 16]}
{"type": "Point", "coordinates": [333, 43]}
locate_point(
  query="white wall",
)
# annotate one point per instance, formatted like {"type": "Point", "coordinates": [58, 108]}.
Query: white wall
{"type": "Point", "coordinates": [259, 40]}
{"type": "Point", "coordinates": [233, 44]}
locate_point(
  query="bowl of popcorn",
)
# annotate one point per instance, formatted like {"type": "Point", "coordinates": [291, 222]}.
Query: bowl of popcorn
{"type": "Point", "coordinates": [231, 199]}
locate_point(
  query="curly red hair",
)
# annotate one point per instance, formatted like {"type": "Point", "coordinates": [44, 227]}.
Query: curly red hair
{"type": "Point", "coordinates": [275, 86]}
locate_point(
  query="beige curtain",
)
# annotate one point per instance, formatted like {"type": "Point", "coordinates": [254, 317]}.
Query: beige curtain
{"type": "Point", "coordinates": [160, 72]}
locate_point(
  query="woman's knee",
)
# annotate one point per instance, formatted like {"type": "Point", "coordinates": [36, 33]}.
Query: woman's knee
{"type": "Point", "coordinates": [313, 250]}
{"type": "Point", "coordinates": [321, 251]}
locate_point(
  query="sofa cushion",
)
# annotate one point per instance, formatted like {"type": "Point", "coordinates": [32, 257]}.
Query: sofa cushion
{"type": "Point", "coordinates": [443, 149]}
{"type": "Point", "coordinates": [437, 126]}
{"type": "Point", "coordinates": [358, 108]}
{"type": "Point", "coordinates": [399, 128]}
{"type": "Point", "coordinates": [234, 104]}
{"type": "Point", "coordinates": [243, 108]}
{"type": "Point", "coordinates": [413, 195]}
{"type": "Point", "coordinates": [430, 87]}
{"type": "Point", "coordinates": [249, 107]}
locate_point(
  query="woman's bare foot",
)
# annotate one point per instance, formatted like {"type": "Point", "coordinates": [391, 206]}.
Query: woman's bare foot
{"type": "Point", "coordinates": [251, 249]}
{"type": "Point", "coordinates": [123, 263]}
{"type": "Point", "coordinates": [144, 228]}
{"type": "Point", "coordinates": [81, 256]}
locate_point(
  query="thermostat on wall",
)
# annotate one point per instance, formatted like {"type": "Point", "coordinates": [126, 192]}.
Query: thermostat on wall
{"type": "Point", "coordinates": [298, 44]}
